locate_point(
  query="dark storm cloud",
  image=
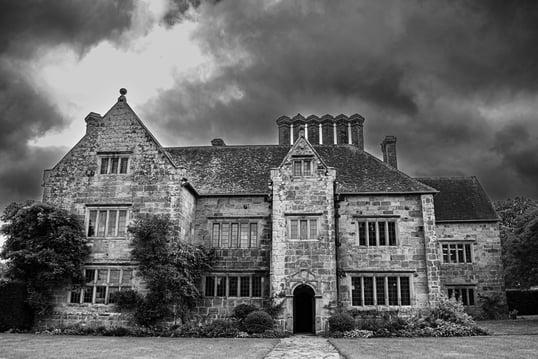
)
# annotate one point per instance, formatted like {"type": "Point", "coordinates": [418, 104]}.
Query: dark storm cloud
{"type": "Point", "coordinates": [26, 29]}
{"type": "Point", "coordinates": [425, 71]}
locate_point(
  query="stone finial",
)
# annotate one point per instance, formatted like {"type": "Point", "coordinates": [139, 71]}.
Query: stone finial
{"type": "Point", "coordinates": [301, 131]}
{"type": "Point", "coordinates": [123, 92]}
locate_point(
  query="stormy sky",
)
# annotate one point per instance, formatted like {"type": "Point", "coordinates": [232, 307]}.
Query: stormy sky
{"type": "Point", "coordinates": [455, 81]}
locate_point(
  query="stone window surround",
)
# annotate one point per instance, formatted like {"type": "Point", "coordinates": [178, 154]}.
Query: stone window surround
{"type": "Point", "coordinates": [239, 275]}
{"type": "Point", "coordinates": [376, 219]}
{"type": "Point", "coordinates": [302, 166]}
{"type": "Point", "coordinates": [239, 220]}
{"type": "Point", "coordinates": [464, 292]}
{"type": "Point", "coordinates": [310, 217]}
{"type": "Point", "coordinates": [385, 275]}
{"type": "Point", "coordinates": [122, 165]}
{"type": "Point", "coordinates": [467, 251]}
{"type": "Point", "coordinates": [109, 208]}
{"type": "Point", "coordinates": [123, 282]}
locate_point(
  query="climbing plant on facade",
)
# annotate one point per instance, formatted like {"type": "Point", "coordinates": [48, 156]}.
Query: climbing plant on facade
{"type": "Point", "coordinates": [171, 269]}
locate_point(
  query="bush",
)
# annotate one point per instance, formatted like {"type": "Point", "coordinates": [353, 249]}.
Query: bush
{"type": "Point", "coordinates": [451, 310]}
{"type": "Point", "coordinates": [258, 322]}
{"type": "Point", "coordinates": [127, 299]}
{"type": "Point", "coordinates": [14, 313]}
{"type": "Point", "coordinates": [341, 322]}
{"type": "Point", "coordinates": [220, 328]}
{"type": "Point", "coordinates": [242, 310]}
{"type": "Point", "coordinates": [357, 333]}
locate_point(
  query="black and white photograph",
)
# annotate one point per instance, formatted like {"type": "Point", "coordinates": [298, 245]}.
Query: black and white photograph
{"type": "Point", "coordinates": [268, 179]}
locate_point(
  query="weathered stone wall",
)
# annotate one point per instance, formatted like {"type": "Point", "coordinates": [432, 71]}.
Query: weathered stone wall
{"type": "Point", "coordinates": [234, 261]}
{"type": "Point", "coordinates": [152, 185]}
{"type": "Point", "coordinates": [485, 272]}
{"type": "Point", "coordinates": [408, 256]}
{"type": "Point", "coordinates": [295, 262]}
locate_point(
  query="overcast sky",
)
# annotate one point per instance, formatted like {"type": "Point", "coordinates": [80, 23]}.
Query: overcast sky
{"type": "Point", "coordinates": [455, 81]}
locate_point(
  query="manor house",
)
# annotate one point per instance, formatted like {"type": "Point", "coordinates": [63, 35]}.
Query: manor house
{"type": "Point", "coordinates": [313, 221]}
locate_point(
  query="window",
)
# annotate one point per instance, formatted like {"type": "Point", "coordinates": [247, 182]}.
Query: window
{"type": "Point", "coordinates": [464, 294]}
{"type": "Point", "coordinates": [376, 232]}
{"type": "Point", "coordinates": [303, 228]}
{"type": "Point", "coordinates": [302, 167]}
{"type": "Point", "coordinates": [114, 164]}
{"type": "Point", "coordinates": [457, 252]}
{"type": "Point", "coordinates": [107, 222]}
{"type": "Point", "coordinates": [100, 284]}
{"type": "Point", "coordinates": [234, 235]}
{"type": "Point", "coordinates": [233, 285]}
{"type": "Point", "coordinates": [381, 289]}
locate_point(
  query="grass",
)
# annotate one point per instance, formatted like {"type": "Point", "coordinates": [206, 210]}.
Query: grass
{"type": "Point", "coordinates": [523, 346]}
{"type": "Point", "coordinates": [511, 339]}
{"type": "Point", "coordinates": [17, 346]}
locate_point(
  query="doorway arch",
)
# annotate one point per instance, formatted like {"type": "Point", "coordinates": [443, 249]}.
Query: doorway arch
{"type": "Point", "coordinates": [304, 309]}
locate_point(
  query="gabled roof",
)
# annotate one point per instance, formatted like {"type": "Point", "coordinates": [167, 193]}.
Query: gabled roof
{"type": "Point", "coordinates": [460, 199]}
{"type": "Point", "coordinates": [235, 170]}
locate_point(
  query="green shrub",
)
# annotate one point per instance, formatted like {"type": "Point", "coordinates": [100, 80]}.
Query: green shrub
{"type": "Point", "coordinates": [220, 328]}
{"type": "Point", "coordinates": [341, 322]}
{"type": "Point", "coordinates": [14, 312]}
{"type": "Point", "coordinates": [242, 310]}
{"type": "Point", "coordinates": [258, 322]}
{"type": "Point", "coordinates": [451, 310]}
{"type": "Point", "coordinates": [127, 299]}
{"type": "Point", "coordinates": [357, 333]}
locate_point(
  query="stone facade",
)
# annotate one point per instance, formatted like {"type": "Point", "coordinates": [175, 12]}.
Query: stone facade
{"type": "Point", "coordinates": [307, 226]}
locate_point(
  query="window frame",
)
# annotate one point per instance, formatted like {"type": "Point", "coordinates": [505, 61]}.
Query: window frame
{"type": "Point", "coordinates": [387, 232]}
{"type": "Point", "coordinates": [234, 233]}
{"type": "Point", "coordinates": [109, 159]}
{"type": "Point", "coordinates": [305, 168]}
{"type": "Point", "coordinates": [470, 293]}
{"type": "Point", "coordinates": [253, 282]}
{"type": "Point", "coordinates": [95, 284]}
{"type": "Point", "coordinates": [365, 301]}
{"type": "Point", "coordinates": [119, 233]}
{"type": "Point", "coordinates": [466, 250]}
{"type": "Point", "coordinates": [309, 227]}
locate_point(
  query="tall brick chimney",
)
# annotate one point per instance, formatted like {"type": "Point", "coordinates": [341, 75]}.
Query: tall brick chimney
{"type": "Point", "coordinates": [284, 124]}
{"type": "Point", "coordinates": [388, 147]}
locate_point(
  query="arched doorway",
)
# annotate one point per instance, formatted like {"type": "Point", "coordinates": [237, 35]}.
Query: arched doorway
{"type": "Point", "coordinates": [304, 309]}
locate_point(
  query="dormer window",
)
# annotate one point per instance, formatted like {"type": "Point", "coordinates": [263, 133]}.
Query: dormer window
{"type": "Point", "coordinates": [302, 167]}
{"type": "Point", "coordinates": [113, 164]}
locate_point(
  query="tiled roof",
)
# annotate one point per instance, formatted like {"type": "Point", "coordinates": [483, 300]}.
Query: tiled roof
{"type": "Point", "coordinates": [460, 199]}
{"type": "Point", "coordinates": [246, 169]}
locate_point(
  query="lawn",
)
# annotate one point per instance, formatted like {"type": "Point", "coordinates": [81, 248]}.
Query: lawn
{"type": "Point", "coordinates": [511, 339]}
{"type": "Point", "coordinates": [42, 346]}
{"type": "Point", "coordinates": [521, 346]}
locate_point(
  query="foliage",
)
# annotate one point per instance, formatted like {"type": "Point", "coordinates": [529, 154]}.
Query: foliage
{"type": "Point", "coordinates": [241, 311]}
{"type": "Point", "coordinates": [493, 307]}
{"type": "Point", "coordinates": [45, 248]}
{"type": "Point", "coordinates": [171, 269]}
{"type": "Point", "coordinates": [221, 328]}
{"type": "Point", "coordinates": [15, 312]}
{"type": "Point", "coordinates": [446, 318]}
{"type": "Point", "coordinates": [518, 229]}
{"type": "Point", "coordinates": [357, 333]}
{"type": "Point", "coordinates": [258, 322]}
{"type": "Point", "coordinates": [126, 299]}
{"type": "Point", "coordinates": [523, 300]}
{"type": "Point", "coordinates": [274, 307]}
{"type": "Point", "coordinates": [341, 322]}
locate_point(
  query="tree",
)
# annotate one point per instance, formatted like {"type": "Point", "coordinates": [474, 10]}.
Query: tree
{"type": "Point", "coordinates": [519, 240]}
{"type": "Point", "coordinates": [172, 270]}
{"type": "Point", "coordinates": [45, 248]}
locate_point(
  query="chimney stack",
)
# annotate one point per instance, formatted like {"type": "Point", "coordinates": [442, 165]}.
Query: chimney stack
{"type": "Point", "coordinates": [388, 147]}
{"type": "Point", "coordinates": [92, 121]}
{"type": "Point", "coordinates": [217, 142]}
